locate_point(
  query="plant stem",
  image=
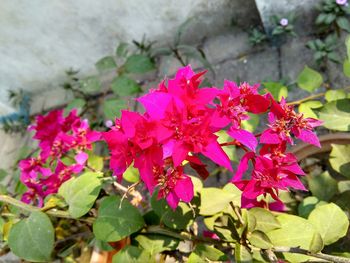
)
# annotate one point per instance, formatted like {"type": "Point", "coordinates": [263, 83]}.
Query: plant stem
{"type": "Point", "coordinates": [297, 102]}
{"type": "Point", "coordinates": [298, 250]}
{"type": "Point", "coordinates": [182, 236]}
{"type": "Point", "coordinates": [29, 208]}
{"type": "Point", "coordinates": [237, 213]}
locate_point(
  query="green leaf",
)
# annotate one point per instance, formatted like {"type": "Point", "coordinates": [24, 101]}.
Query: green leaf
{"type": "Point", "coordinates": [259, 239]}
{"type": "Point", "coordinates": [81, 192]}
{"type": "Point", "coordinates": [329, 18]}
{"type": "Point", "coordinates": [330, 221]}
{"type": "Point", "coordinates": [124, 86]}
{"type": "Point", "coordinates": [265, 220]}
{"type": "Point", "coordinates": [214, 200]}
{"type": "Point", "coordinates": [346, 68]}
{"type": "Point", "coordinates": [116, 219]}
{"type": "Point", "coordinates": [323, 186]}
{"type": "Point", "coordinates": [155, 244]}
{"type": "Point", "coordinates": [33, 238]}
{"type": "Point", "coordinates": [75, 104]}
{"type": "Point", "coordinates": [178, 219]}
{"type": "Point", "coordinates": [242, 254]}
{"type": "Point", "coordinates": [307, 108]}
{"type": "Point", "coordinates": [277, 90]}
{"type": "Point", "coordinates": [277, 31]}
{"type": "Point", "coordinates": [131, 174]}
{"type": "Point", "coordinates": [317, 243]}
{"type": "Point", "coordinates": [204, 253]}
{"type": "Point", "coordinates": [321, 18]}
{"type": "Point", "coordinates": [307, 205]}
{"type": "Point", "coordinates": [343, 23]}
{"type": "Point", "coordinates": [336, 115]}
{"type": "Point", "coordinates": [340, 159]}
{"type": "Point", "coordinates": [342, 200]}
{"type": "Point", "coordinates": [102, 245]}
{"type": "Point", "coordinates": [132, 254]}
{"type": "Point", "coordinates": [210, 221]}
{"type": "Point", "coordinates": [252, 123]}
{"type": "Point", "coordinates": [197, 184]}
{"type": "Point", "coordinates": [333, 56]}
{"type": "Point", "coordinates": [138, 64]}
{"type": "Point", "coordinates": [294, 232]}
{"type": "Point", "coordinates": [249, 220]}
{"type": "Point", "coordinates": [332, 95]}
{"type": "Point", "coordinates": [309, 79]}
{"type": "Point", "coordinates": [344, 186]}
{"type": "Point", "coordinates": [3, 174]}
{"type": "Point", "coordinates": [122, 50]}
{"type": "Point", "coordinates": [347, 45]}
{"type": "Point", "coordinates": [95, 162]}
{"type": "Point", "coordinates": [112, 108]}
{"type": "Point", "coordinates": [90, 84]}
{"type": "Point", "coordinates": [105, 64]}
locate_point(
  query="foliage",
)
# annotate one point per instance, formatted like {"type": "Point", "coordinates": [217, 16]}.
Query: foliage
{"type": "Point", "coordinates": [333, 16]}
{"type": "Point", "coordinates": [76, 193]}
{"type": "Point", "coordinates": [325, 49]}
{"type": "Point", "coordinates": [256, 37]}
{"type": "Point", "coordinates": [283, 25]}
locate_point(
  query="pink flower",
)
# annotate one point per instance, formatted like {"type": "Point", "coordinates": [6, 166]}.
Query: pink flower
{"type": "Point", "coordinates": [284, 22]}
{"type": "Point", "coordinates": [58, 136]}
{"type": "Point", "coordinates": [236, 101]}
{"type": "Point", "coordinates": [273, 170]}
{"type": "Point", "coordinates": [174, 185]}
{"type": "Point", "coordinates": [342, 2]}
{"type": "Point", "coordinates": [32, 168]}
{"type": "Point", "coordinates": [284, 122]}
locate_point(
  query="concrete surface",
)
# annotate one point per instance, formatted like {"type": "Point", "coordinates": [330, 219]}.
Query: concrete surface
{"type": "Point", "coordinates": [39, 40]}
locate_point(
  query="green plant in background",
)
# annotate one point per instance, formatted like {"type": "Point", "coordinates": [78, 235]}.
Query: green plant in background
{"type": "Point", "coordinates": [123, 74]}
{"type": "Point", "coordinates": [325, 49]}
{"type": "Point", "coordinates": [283, 25]}
{"type": "Point", "coordinates": [182, 52]}
{"type": "Point", "coordinates": [257, 36]}
{"type": "Point", "coordinates": [333, 16]}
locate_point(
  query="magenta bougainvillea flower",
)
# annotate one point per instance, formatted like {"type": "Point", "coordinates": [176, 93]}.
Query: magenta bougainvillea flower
{"type": "Point", "coordinates": [284, 122]}
{"type": "Point", "coordinates": [58, 136]}
{"type": "Point", "coordinates": [178, 126]}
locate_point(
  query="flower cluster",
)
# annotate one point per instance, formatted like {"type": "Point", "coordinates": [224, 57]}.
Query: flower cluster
{"type": "Point", "coordinates": [58, 137]}
{"type": "Point", "coordinates": [275, 169]}
{"type": "Point", "coordinates": [180, 124]}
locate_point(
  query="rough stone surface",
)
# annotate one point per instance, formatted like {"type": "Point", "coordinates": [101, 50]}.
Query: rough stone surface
{"type": "Point", "coordinates": [256, 67]}
{"type": "Point", "coordinates": [10, 147]}
{"type": "Point", "coordinates": [227, 46]}
{"type": "Point", "coordinates": [39, 40]}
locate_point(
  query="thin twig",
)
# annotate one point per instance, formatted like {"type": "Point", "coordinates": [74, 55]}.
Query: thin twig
{"type": "Point", "coordinates": [298, 250]}
{"type": "Point", "coordinates": [297, 102]}
{"type": "Point", "coordinates": [237, 213]}
{"type": "Point", "coordinates": [29, 208]}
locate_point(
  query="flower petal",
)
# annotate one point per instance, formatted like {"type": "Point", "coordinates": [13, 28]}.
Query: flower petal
{"type": "Point", "coordinates": [245, 137]}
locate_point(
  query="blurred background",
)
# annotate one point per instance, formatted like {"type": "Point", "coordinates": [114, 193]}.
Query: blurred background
{"type": "Point", "coordinates": [65, 53]}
